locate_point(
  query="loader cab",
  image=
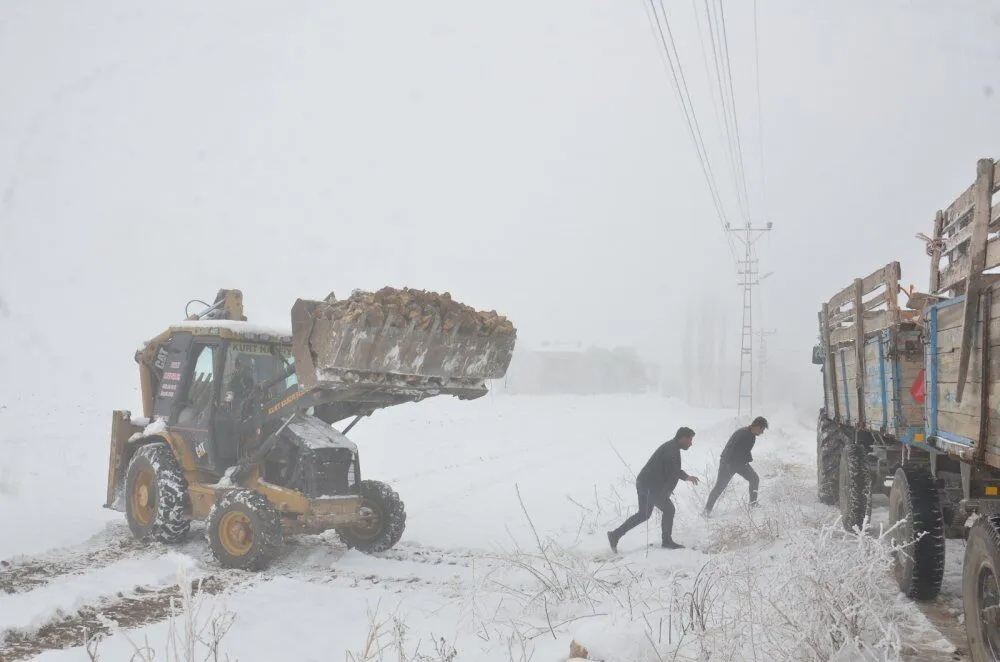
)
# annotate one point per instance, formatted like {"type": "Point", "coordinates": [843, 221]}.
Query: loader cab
{"type": "Point", "coordinates": [206, 390]}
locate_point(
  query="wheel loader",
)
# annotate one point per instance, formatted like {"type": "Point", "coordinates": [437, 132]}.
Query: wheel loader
{"type": "Point", "coordinates": [237, 426]}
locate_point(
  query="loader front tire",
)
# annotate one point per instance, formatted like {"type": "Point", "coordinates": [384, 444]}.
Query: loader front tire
{"type": "Point", "coordinates": [918, 537]}
{"type": "Point", "coordinates": [855, 494]}
{"type": "Point", "coordinates": [383, 521]}
{"type": "Point", "coordinates": [981, 589]}
{"type": "Point", "coordinates": [244, 530]}
{"type": "Point", "coordinates": [830, 439]}
{"type": "Point", "coordinates": [157, 505]}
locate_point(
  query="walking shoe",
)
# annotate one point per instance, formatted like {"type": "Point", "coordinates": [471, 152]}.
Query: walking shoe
{"type": "Point", "coordinates": [613, 539]}
{"type": "Point", "coordinates": [670, 544]}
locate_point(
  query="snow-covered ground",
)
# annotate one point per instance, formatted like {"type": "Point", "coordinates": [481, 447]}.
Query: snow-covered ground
{"type": "Point", "coordinates": [473, 573]}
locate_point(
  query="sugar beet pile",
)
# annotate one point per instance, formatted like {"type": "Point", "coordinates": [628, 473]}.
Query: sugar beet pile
{"type": "Point", "coordinates": [407, 306]}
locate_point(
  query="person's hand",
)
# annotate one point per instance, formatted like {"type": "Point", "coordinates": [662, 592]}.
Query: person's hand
{"type": "Point", "coordinates": [692, 479]}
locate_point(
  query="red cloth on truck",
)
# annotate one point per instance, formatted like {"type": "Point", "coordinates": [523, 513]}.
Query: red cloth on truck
{"type": "Point", "coordinates": [917, 390]}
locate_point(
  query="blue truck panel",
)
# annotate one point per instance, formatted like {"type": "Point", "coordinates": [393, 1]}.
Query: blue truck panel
{"type": "Point", "coordinates": [933, 384]}
{"type": "Point", "coordinates": [893, 358]}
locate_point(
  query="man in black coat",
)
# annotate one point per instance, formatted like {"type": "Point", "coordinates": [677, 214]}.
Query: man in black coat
{"type": "Point", "coordinates": [736, 459]}
{"type": "Point", "coordinates": [654, 484]}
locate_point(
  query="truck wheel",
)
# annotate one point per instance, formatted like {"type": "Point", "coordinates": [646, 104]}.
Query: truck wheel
{"type": "Point", "coordinates": [823, 427]}
{"type": "Point", "coordinates": [981, 589]}
{"type": "Point", "coordinates": [383, 522]}
{"type": "Point", "coordinates": [828, 465]}
{"type": "Point", "coordinates": [919, 536]}
{"type": "Point", "coordinates": [855, 493]}
{"type": "Point", "coordinates": [156, 496]}
{"type": "Point", "coordinates": [955, 517]}
{"type": "Point", "coordinates": [244, 530]}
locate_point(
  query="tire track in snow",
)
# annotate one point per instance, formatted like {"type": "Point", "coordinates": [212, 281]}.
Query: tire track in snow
{"type": "Point", "coordinates": [29, 573]}
{"type": "Point", "coordinates": [307, 558]}
{"type": "Point", "coordinates": [141, 607]}
{"type": "Point", "coordinates": [23, 574]}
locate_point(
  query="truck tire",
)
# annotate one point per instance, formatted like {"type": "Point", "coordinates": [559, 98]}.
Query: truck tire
{"type": "Point", "coordinates": [855, 493]}
{"type": "Point", "coordinates": [244, 530]}
{"type": "Point", "coordinates": [954, 519]}
{"type": "Point", "coordinates": [156, 495]}
{"type": "Point", "coordinates": [823, 426]}
{"type": "Point", "coordinates": [828, 465]}
{"type": "Point", "coordinates": [981, 589]}
{"type": "Point", "coordinates": [919, 559]}
{"type": "Point", "coordinates": [385, 526]}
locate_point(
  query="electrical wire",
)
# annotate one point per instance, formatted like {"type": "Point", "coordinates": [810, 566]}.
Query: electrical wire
{"type": "Point", "coordinates": [760, 122]}
{"type": "Point", "coordinates": [675, 69]}
{"type": "Point", "coordinates": [715, 16]}
{"type": "Point", "coordinates": [732, 99]}
{"type": "Point", "coordinates": [726, 108]}
{"type": "Point", "coordinates": [708, 76]}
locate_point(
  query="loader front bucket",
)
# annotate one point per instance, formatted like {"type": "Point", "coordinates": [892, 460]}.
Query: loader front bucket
{"type": "Point", "coordinates": [394, 335]}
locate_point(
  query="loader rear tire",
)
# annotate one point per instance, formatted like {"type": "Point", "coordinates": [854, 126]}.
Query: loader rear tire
{"type": "Point", "coordinates": [919, 537]}
{"type": "Point", "coordinates": [244, 530]}
{"type": "Point", "coordinates": [855, 493]}
{"type": "Point", "coordinates": [828, 445]}
{"type": "Point", "coordinates": [384, 527]}
{"type": "Point", "coordinates": [981, 589]}
{"type": "Point", "coordinates": [156, 495]}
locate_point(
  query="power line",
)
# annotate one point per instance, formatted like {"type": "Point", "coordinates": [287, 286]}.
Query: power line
{"type": "Point", "coordinates": [760, 123]}
{"type": "Point", "coordinates": [684, 97]}
{"type": "Point", "coordinates": [722, 119]}
{"type": "Point", "coordinates": [727, 129]}
{"type": "Point", "coordinates": [748, 234]}
{"type": "Point", "coordinates": [675, 68]}
{"type": "Point", "coordinates": [732, 98]}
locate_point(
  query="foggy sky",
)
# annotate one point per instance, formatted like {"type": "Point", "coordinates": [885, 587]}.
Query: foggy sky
{"type": "Point", "coordinates": [525, 156]}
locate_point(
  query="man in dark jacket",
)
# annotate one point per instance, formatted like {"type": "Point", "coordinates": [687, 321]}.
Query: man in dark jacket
{"type": "Point", "coordinates": [654, 485]}
{"type": "Point", "coordinates": [736, 459]}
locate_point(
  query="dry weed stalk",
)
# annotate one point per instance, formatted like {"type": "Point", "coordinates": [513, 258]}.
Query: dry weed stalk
{"type": "Point", "coordinates": [192, 635]}
{"type": "Point", "coordinates": [386, 639]}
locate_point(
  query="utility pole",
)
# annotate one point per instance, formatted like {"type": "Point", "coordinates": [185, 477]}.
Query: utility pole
{"type": "Point", "coordinates": [762, 361]}
{"type": "Point", "coordinates": [747, 268]}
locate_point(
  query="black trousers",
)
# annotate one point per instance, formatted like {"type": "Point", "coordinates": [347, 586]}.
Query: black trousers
{"type": "Point", "coordinates": [649, 498]}
{"type": "Point", "coordinates": [726, 473]}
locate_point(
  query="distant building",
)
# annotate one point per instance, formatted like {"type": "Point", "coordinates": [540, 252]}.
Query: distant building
{"type": "Point", "coordinates": [570, 369]}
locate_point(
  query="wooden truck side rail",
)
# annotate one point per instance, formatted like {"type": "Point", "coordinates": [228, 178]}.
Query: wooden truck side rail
{"type": "Point", "coordinates": [879, 312]}
{"type": "Point", "coordinates": [952, 256]}
{"type": "Point", "coordinates": [871, 355]}
{"type": "Point", "coordinates": [962, 249]}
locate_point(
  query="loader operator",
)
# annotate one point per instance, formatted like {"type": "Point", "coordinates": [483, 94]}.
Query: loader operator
{"type": "Point", "coordinates": [242, 381]}
{"type": "Point", "coordinates": [240, 384]}
{"type": "Point", "coordinates": [654, 485]}
{"type": "Point", "coordinates": [736, 459]}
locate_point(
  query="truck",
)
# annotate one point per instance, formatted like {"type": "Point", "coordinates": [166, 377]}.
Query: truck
{"type": "Point", "coordinates": [911, 408]}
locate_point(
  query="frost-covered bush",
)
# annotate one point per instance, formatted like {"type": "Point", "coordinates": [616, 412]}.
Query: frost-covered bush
{"type": "Point", "coordinates": [819, 594]}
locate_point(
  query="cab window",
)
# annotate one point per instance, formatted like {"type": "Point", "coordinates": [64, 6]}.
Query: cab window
{"type": "Point", "coordinates": [198, 398]}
